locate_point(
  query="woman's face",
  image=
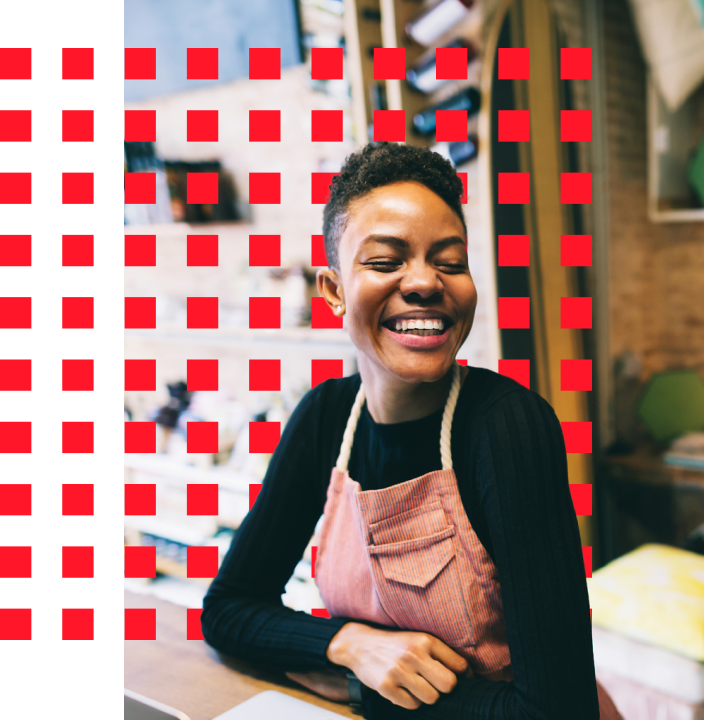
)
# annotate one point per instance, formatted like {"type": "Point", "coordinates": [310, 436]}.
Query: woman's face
{"type": "Point", "coordinates": [403, 250]}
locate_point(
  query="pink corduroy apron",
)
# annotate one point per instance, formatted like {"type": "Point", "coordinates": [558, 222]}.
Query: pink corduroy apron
{"type": "Point", "coordinates": [407, 556]}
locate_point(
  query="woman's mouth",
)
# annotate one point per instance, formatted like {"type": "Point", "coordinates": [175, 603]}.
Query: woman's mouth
{"type": "Point", "coordinates": [423, 338]}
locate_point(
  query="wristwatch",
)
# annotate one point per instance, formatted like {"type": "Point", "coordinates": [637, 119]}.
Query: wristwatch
{"type": "Point", "coordinates": [358, 691]}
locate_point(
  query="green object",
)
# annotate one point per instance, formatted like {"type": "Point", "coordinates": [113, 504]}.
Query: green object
{"type": "Point", "coordinates": [673, 403]}
{"type": "Point", "coordinates": [696, 170]}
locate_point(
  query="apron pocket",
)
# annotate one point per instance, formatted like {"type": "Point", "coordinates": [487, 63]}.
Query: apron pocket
{"type": "Point", "coordinates": [419, 587]}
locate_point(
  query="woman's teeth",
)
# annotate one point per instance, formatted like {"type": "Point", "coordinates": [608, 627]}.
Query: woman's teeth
{"type": "Point", "coordinates": [420, 327]}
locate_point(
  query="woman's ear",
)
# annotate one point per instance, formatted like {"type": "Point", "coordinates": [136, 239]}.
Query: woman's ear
{"type": "Point", "coordinates": [330, 288]}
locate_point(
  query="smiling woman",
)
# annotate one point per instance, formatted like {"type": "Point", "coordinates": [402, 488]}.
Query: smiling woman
{"type": "Point", "coordinates": [449, 556]}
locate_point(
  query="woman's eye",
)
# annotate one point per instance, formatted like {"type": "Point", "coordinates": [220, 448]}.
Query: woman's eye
{"type": "Point", "coordinates": [394, 264]}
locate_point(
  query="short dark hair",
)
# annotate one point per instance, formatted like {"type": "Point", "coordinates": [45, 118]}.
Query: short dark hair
{"type": "Point", "coordinates": [383, 163]}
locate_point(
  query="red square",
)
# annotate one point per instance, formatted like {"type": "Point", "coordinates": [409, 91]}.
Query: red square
{"type": "Point", "coordinates": [140, 125]}
{"type": "Point", "coordinates": [15, 312]}
{"type": "Point", "coordinates": [77, 437]}
{"type": "Point", "coordinates": [140, 250]}
{"type": "Point", "coordinates": [15, 499]}
{"type": "Point", "coordinates": [140, 499]}
{"type": "Point", "coordinates": [140, 562]}
{"type": "Point", "coordinates": [389, 63]}
{"type": "Point", "coordinates": [514, 188]}
{"type": "Point", "coordinates": [514, 312]}
{"type": "Point", "coordinates": [15, 623]}
{"type": "Point", "coordinates": [77, 188]}
{"type": "Point", "coordinates": [140, 188]}
{"type": "Point", "coordinates": [15, 375]}
{"type": "Point", "coordinates": [265, 126]}
{"type": "Point", "coordinates": [264, 250]}
{"type": "Point", "coordinates": [201, 375]}
{"type": "Point", "coordinates": [575, 374]}
{"type": "Point", "coordinates": [202, 499]}
{"type": "Point", "coordinates": [320, 612]}
{"type": "Point", "coordinates": [140, 623]}
{"type": "Point", "coordinates": [326, 125]}
{"type": "Point", "coordinates": [463, 177]}
{"type": "Point", "coordinates": [514, 125]}
{"type": "Point", "coordinates": [77, 250]}
{"type": "Point", "coordinates": [77, 375]}
{"type": "Point", "coordinates": [15, 562]}
{"type": "Point", "coordinates": [581, 498]}
{"type": "Point", "coordinates": [265, 375]}
{"type": "Point", "coordinates": [77, 313]}
{"type": "Point", "coordinates": [451, 63]}
{"type": "Point", "coordinates": [193, 627]}
{"type": "Point", "coordinates": [140, 375]}
{"type": "Point", "coordinates": [575, 250]}
{"type": "Point", "coordinates": [254, 490]}
{"type": "Point", "coordinates": [578, 436]}
{"type": "Point", "coordinates": [15, 63]}
{"type": "Point", "coordinates": [514, 250]}
{"type": "Point", "coordinates": [322, 315]}
{"type": "Point", "coordinates": [264, 63]}
{"type": "Point", "coordinates": [77, 562]}
{"type": "Point", "coordinates": [264, 436]}
{"type": "Point", "coordinates": [326, 63]}
{"type": "Point", "coordinates": [318, 256]}
{"type": "Point", "coordinates": [140, 312]}
{"type": "Point", "coordinates": [576, 188]}
{"type": "Point", "coordinates": [201, 125]}
{"type": "Point", "coordinates": [575, 63]}
{"type": "Point", "coordinates": [201, 562]}
{"type": "Point", "coordinates": [202, 250]}
{"type": "Point", "coordinates": [390, 125]}
{"type": "Point", "coordinates": [15, 250]}
{"type": "Point", "coordinates": [77, 63]}
{"type": "Point", "coordinates": [576, 125]}
{"type": "Point", "coordinates": [140, 437]}
{"type": "Point", "coordinates": [77, 624]}
{"type": "Point", "coordinates": [320, 187]}
{"type": "Point", "coordinates": [15, 126]}
{"type": "Point", "coordinates": [201, 63]}
{"type": "Point", "coordinates": [77, 126]}
{"type": "Point", "coordinates": [264, 188]}
{"type": "Point", "coordinates": [322, 370]}
{"type": "Point", "coordinates": [15, 188]}
{"type": "Point", "coordinates": [451, 126]}
{"type": "Point", "coordinates": [514, 63]}
{"type": "Point", "coordinates": [587, 557]}
{"type": "Point", "coordinates": [140, 63]}
{"type": "Point", "coordinates": [264, 312]}
{"type": "Point", "coordinates": [518, 370]}
{"type": "Point", "coordinates": [202, 312]}
{"type": "Point", "coordinates": [575, 312]}
{"type": "Point", "coordinates": [201, 437]}
{"type": "Point", "coordinates": [77, 499]}
{"type": "Point", "coordinates": [202, 188]}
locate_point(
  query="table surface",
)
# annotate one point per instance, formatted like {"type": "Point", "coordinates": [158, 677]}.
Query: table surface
{"type": "Point", "coordinates": [194, 678]}
{"type": "Point", "coordinates": [649, 468]}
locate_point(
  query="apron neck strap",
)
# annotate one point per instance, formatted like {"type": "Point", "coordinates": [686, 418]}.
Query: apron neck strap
{"type": "Point", "coordinates": [445, 454]}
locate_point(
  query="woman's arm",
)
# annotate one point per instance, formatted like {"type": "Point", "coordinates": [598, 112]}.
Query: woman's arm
{"type": "Point", "coordinates": [243, 615]}
{"type": "Point", "coordinates": [523, 490]}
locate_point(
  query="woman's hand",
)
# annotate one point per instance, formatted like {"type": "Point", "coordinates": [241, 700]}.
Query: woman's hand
{"type": "Point", "coordinates": [407, 668]}
{"type": "Point", "coordinates": [331, 684]}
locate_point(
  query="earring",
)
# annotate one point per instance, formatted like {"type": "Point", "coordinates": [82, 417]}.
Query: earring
{"type": "Point", "coordinates": [338, 310]}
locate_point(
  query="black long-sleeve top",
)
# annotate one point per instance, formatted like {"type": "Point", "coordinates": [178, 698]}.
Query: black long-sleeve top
{"type": "Point", "coordinates": [509, 457]}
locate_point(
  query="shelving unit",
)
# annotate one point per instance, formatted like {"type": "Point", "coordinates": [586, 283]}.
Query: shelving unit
{"type": "Point", "coordinates": [672, 137]}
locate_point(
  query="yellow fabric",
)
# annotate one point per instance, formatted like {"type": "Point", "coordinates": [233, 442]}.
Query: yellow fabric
{"type": "Point", "coordinates": [654, 594]}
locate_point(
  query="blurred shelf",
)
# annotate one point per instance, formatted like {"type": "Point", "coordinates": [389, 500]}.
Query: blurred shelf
{"type": "Point", "coordinates": [304, 336]}
{"type": "Point", "coordinates": [182, 228]}
{"type": "Point", "coordinates": [177, 570]}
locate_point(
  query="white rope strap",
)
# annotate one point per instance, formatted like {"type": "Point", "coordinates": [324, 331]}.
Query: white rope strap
{"type": "Point", "coordinates": [445, 454]}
